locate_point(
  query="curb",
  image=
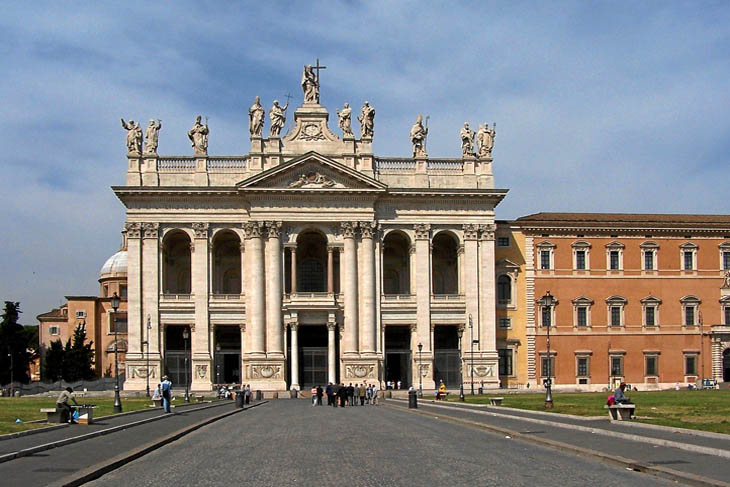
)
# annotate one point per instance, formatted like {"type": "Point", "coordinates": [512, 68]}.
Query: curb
{"type": "Point", "coordinates": [655, 470]}
{"type": "Point", "coordinates": [103, 468]}
{"type": "Point", "coordinates": [67, 441]}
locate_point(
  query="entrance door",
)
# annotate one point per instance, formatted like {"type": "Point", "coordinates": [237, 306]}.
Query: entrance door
{"type": "Point", "coordinates": [726, 365]}
{"type": "Point", "coordinates": [398, 355]}
{"type": "Point", "coordinates": [177, 354]}
{"type": "Point", "coordinates": [227, 354]}
{"type": "Point", "coordinates": [313, 366]}
{"type": "Point", "coordinates": [447, 358]}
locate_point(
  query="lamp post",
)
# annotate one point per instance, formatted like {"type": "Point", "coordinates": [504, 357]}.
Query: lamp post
{"type": "Point", "coordinates": [147, 342]}
{"type": "Point", "coordinates": [217, 363]}
{"type": "Point", "coordinates": [420, 376]}
{"type": "Point", "coordinates": [471, 333]}
{"type": "Point", "coordinates": [547, 303]}
{"type": "Point", "coordinates": [186, 335]}
{"type": "Point", "coordinates": [702, 351]}
{"type": "Point", "coordinates": [12, 374]}
{"type": "Point", "coordinates": [461, 367]}
{"type": "Point", "coordinates": [117, 400]}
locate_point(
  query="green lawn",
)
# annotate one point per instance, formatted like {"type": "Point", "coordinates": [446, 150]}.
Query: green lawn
{"type": "Point", "coordinates": [707, 410]}
{"type": "Point", "coordinates": [27, 409]}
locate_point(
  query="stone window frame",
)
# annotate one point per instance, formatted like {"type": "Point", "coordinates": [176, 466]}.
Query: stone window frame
{"type": "Point", "coordinates": [694, 302]}
{"type": "Point", "coordinates": [110, 321]}
{"type": "Point", "coordinates": [690, 354]}
{"type": "Point", "coordinates": [685, 248]}
{"type": "Point", "coordinates": [652, 247]}
{"type": "Point", "coordinates": [615, 247]}
{"type": "Point", "coordinates": [583, 355]}
{"type": "Point", "coordinates": [543, 359]}
{"type": "Point", "coordinates": [620, 355]}
{"type": "Point", "coordinates": [725, 307]}
{"type": "Point", "coordinates": [546, 246]}
{"type": "Point", "coordinates": [651, 354]}
{"type": "Point", "coordinates": [552, 313]}
{"type": "Point", "coordinates": [509, 269]}
{"type": "Point", "coordinates": [582, 302]}
{"type": "Point", "coordinates": [499, 323]}
{"type": "Point", "coordinates": [612, 302]}
{"type": "Point", "coordinates": [650, 302]}
{"type": "Point", "coordinates": [512, 351]}
{"type": "Point", "coordinates": [578, 246]}
{"type": "Point", "coordinates": [52, 328]}
{"type": "Point", "coordinates": [724, 250]}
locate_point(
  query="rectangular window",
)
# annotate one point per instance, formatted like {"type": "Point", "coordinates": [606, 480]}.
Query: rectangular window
{"type": "Point", "coordinates": [649, 260]}
{"type": "Point", "coordinates": [120, 322]}
{"type": "Point", "coordinates": [615, 315]}
{"type": "Point", "coordinates": [726, 260]}
{"type": "Point", "coordinates": [690, 365]}
{"type": "Point", "coordinates": [617, 366]}
{"type": "Point", "coordinates": [652, 365]}
{"type": "Point", "coordinates": [650, 316]}
{"type": "Point", "coordinates": [582, 315]}
{"type": "Point", "coordinates": [505, 322]}
{"type": "Point", "coordinates": [580, 259]}
{"type": "Point", "coordinates": [688, 260]}
{"type": "Point", "coordinates": [54, 330]}
{"type": "Point", "coordinates": [689, 315]}
{"type": "Point", "coordinates": [548, 367]}
{"type": "Point", "coordinates": [105, 291]}
{"type": "Point", "coordinates": [614, 260]}
{"type": "Point", "coordinates": [727, 315]}
{"type": "Point", "coordinates": [123, 292]}
{"type": "Point", "coordinates": [502, 241]}
{"type": "Point", "coordinates": [582, 366]}
{"type": "Point", "coordinates": [546, 317]}
{"type": "Point", "coordinates": [505, 361]}
{"type": "Point", "coordinates": [544, 259]}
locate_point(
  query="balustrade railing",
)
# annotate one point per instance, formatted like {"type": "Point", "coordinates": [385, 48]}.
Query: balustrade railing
{"type": "Point", "coordinates": [445, 165]}
{"type": "Point", "coordinates": [395, 165]}
{"type": "Point", "coordinates": [448, 297]}
{"type": "Point", "coordinates": [176, 297]}
{"type": "Point", "coordinates": [227, 163]}
{"type": "Point", "coordinates": [399, 297]}
{"type": "Point", "coordinates": [176, 164]}
{"type": "Point", "coordinates": [227, 297]}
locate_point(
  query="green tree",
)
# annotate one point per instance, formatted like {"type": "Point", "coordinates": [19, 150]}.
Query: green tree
{"type": "Point", "coordinates": [78, 357]}
{"type": "Point", "coordinates": [14, 355]}
{"type": "Point", "coordinates": [53, 364]}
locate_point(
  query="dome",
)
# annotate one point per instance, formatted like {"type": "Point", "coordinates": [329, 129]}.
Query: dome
{"type": "Point", "coordinates": [115, 265]}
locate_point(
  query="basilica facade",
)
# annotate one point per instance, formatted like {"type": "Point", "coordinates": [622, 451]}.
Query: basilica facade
{"type": "Point", "coordinates": [310, 259]}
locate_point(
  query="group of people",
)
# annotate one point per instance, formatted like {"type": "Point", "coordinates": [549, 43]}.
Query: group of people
{"type": "Point", "coordinates": [346, 395]}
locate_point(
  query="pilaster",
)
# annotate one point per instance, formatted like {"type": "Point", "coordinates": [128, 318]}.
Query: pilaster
{"type": "Point", "coordinates": [151, 291]}
{"type": "Point", "coordinates": [200, 340]}
{"type": "Point", "coordinates": [367, 273]}
{"type": "Point", "coordinates": [134, 356]}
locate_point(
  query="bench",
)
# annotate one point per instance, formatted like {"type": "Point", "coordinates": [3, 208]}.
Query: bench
{"type": "Point", "coordinates": [56, 415]}
{"type": "Point", "coordinates": [156, 403]}
{"type": "Point", "coordinates": [444, 396]}
{"type": "Point", "coordinates": [620, 412]}
{"type": "Point", "coordinates": [495, 401]}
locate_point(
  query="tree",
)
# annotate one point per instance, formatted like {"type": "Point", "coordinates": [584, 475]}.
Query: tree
{"type": "Point", "coordinates": [78, 358]}
{"type": "Point", "coordinates": [53, 364]}
{"type": "Point", "coordinates": [14, 355]}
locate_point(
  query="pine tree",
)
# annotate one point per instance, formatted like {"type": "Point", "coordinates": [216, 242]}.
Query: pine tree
{"type": "Point", "coordinates": [53, 364]}
{"type": "Point", "coordinates": [78, 358]}
{"type": "Point", "coordinates": [13, 347]}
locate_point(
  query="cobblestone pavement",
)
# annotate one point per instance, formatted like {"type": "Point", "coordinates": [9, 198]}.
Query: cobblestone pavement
{"type": "Point", "coordinates": [291, 443]}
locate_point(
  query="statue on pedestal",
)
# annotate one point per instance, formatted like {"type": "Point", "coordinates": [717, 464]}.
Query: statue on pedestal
{"type": "Point", "coordinates": [152, 136]}
{"type": "Point", "coordinates": [726, 281]}
{"type": "Point", "coordinates": [367, 121]}
{"type": "Point", "coordinates": [485, 139]}
{"type": "Point", "coordinates": [134, 137]}
{"type": "Point", "coordinates": [344, 120]}
{"type": "Point", "coordinates": [198, 136]}
{"type": "Point", "coordinates": [256, 118]}
{"type": "Point", "coordinates": [310, 85]}
{"type": "Point", "coordinates": [418, 138]}
{"type": "Point", "coordinates": [467, 140]}
{"type": "Point", "coordinates": [277, 115]}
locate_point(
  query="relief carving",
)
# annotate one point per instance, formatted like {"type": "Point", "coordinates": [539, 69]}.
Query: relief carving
{"type": "Point", "coordinates": [360, 371]}
{"type": "Point", "coordinates": [265, 371]}
{"type": "Point", "coordinates": [484, 370]}
{"type": "Point", "coordinates": [310, 132]}
{"type": "Point", "coordinates": [201, 371]}
{"type": "Point", "coordinates": [312, 180]}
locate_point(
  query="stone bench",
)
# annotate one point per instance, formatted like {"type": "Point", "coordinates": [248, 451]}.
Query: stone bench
{"type": "Point", "coordinates": [443, 396]}
{"type": "Point", "coordinates": [56, 415]}
{"type": "Point", "coordinates": [199, 398]}
{"type": "Point", "coordinates": [620, 412]}
{"type": "Point", "coordinates": [156, 403]}
{"type": "Point", "coordinates": [495, 401]}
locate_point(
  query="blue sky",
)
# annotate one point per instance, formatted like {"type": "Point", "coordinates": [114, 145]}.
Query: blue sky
{"type": "Point", "coordinates": [600, 106]}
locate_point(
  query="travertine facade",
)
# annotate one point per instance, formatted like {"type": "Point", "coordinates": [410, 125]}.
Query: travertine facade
{"type": "Point", "coordinates": [308, 260]}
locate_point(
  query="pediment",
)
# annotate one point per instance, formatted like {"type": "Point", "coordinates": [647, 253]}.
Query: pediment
{"type": "Point", "coordinates": [311, 171]}
{"type": "Point", "coordinates": [507, 264]}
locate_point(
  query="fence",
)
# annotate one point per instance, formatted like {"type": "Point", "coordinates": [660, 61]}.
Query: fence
{"type": "Point", "coordinates": [105, 384]}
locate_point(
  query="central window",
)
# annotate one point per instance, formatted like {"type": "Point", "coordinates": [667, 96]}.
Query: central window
{"type": "Point", "coordinates": [617, 366]}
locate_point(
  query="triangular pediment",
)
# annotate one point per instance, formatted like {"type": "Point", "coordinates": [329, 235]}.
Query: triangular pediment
{"type": "Point", "coordinates": [311, 171]}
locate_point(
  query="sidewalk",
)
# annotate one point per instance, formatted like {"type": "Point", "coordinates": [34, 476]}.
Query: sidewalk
{"type": "Point", "coordinates": [644, 447]}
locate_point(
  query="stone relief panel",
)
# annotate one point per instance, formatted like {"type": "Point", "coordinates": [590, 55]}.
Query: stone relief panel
{"type": "Point", "coordinates": [201, 371]}
{"type": "Point", "coordinates": [142, 371]}
{"type": "Point", "coordinates": [483, 370]}
{"type": "Point", "coordinates": [360, 371]}
{"type": "Point", "coordinates": [265, 371]}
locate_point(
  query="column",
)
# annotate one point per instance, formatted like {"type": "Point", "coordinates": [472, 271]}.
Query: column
{"type": "Point", "coordinates": [151, 295]}
{"type": "Point", "coordinates": [200, 336]}
{"type": "Point", "coordinates": [294, 327]}
{"type": "Point", "coordinates": [330, 270]}
{"type": "Point", "coordinates": [134, 306]}
{"type": "Point", "coordinates": [293, 270]}
{"type": "Point", "coordinates": [255, 291]}
{"type": "Point", "coordinates": [331, 355]}
{"type": "Point", "coordinates": [423, 283]}
{"type": "Point", "coordinates": [368, 288]}
{"type": "Point", "coordinates": [470, 272]}
{"type": "Point", "coordinates": [274, 321]}
{"type": "Point", "coordinates": [350, 289]}
{"type": "Point", "coordinates": [488, 308]}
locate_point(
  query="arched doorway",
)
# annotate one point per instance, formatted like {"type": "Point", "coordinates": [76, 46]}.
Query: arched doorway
{"type": "Point", "coordinates": [726, 365]}
{"type": "Point", "coordinates": [311, 255]}
{"type": "Point", "coordinates": [176, 263]}
{"type": "Point", "coordinates": [396, 264]}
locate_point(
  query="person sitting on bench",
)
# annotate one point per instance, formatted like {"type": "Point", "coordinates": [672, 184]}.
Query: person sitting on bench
{"type": "Point", "coordinates": [619, 397]}
{"type": "Point", "coordinates": [62, 402]}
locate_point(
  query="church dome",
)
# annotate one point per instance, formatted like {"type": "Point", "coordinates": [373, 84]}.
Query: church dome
{"type": "Point", "coordinates": [115, 265]}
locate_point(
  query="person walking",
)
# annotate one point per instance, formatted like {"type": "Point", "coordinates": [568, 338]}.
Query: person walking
{"type": "Point", "coordinates": [375, 394]}
{"type": "Point", "coordinates": [62, 403]}
{"type": "Point", "coordinates": [328, 391]}
{"type": "Point", "coordinates": [362, 391]}
{"type": "Point", "coordinates": [166, 387]}
{"type": "Point", "coordinates": [247, 393]}
{"type": "Point", "coordinates": [314, 396]}
{"type": "Point", "coordinates": [319, 395]}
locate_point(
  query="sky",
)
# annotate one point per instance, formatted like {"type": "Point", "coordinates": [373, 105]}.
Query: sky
{"type": "Point", "coordinates": [617, 106]}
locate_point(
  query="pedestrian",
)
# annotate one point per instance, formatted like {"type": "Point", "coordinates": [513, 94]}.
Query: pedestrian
{"type": "Point", "coordinates": [166, 387]}
{"type": "Point", "coordinates": [156, 394]}
{"type": "Point", "coordinates": [319, 395]}
{"type": "Point", "coordinates": [369, 394]}
{"type": "Point", "coordinates": [362, 392]}
{"type": "Point", "coordinates": [314, 396]}
{"type": "Point", "coordinates": [375, 394]}
{"type": "Point", "coordinates": [328, 391]}
{"type": "Point", "coordinates": [342, 393]}
{"type": "Point", "coordinates": [399, 385]}
{"type": "Point", "coordinates": [62, 403]}
{"type": "Point", "coordinates": [441, 393]}
{"type": "Point", "coordinates": [350, 395]}
{"type": "Point", "coordinates": [356, 394]}
{"type": "Point", "coordinates": [247, 393]}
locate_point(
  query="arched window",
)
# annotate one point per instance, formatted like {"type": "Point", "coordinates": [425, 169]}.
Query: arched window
{"type": "Point", "coordinates": [445, 264]}
{"type": "Point", "coordinates": [226, 263]}
{"type": "Point", "coordinates": [176, 263]}
{"type": "Point", "coordinates": [396, 264]}
{"type": "Point", "coordinates": [504, 289]}
{"type": "Point", "coordinates": [311, 255]}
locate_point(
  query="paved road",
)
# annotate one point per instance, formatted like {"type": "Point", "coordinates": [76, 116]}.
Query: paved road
{"type": "Point", "coordinates": [291, 443]}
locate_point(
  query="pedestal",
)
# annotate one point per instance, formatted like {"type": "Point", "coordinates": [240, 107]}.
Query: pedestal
{"type": "Point", "coordinates": [265, 374]}
{"type": "Point", "coordinates": [359, 370]}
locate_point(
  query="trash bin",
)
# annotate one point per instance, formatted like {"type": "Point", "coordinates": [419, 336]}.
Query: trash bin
{"type": "Point", "coordinates": [481, 390]}
{"type": "Point", "coordinates": [387, 394]}
{"type": "Point", "coordinates": [259, 395]}
{"type": "Point", "coordinates": [239, 398]}
{"type": "Point", "coordinates": [412, 399]}
{"type": "Point", "coordinates": [293, 393]}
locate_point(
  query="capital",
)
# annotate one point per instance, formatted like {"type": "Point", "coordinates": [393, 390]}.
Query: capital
{"type": "Point", "coordinates": [422, 231]}
{"type": "Point", "coordinates": [471, 231]}
{"type": "Point", "coordinates": [274, 229]}
{"type": "Point", "coordinates": [367, 229]}
{"type": "Point", "coordinates": [133, 229]}
{"type": "Point", "coordinates": [486, 232]}
{"type": "Point", "coordinates": [200, 229]}
{"type": "Point", "coordinates": [253, 229]}
{"type": "Point", "coordinates": [150, 229]}
{"type": "Point", "coordinates": [348, 229]}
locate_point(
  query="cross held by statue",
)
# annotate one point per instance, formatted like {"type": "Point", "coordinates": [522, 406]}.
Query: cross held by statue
{"type": "Point", "coordinates": [317, 67]}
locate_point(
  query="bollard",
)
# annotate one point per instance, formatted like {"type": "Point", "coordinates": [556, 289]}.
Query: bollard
{"type": "Point", "coordinates": [293, 393]}
{"type": "Point", "coordinates": [239, 399]}
{"type": "Point", "coordinates": [412, 400]}
{"type": "Point", "coordinates": [481, 390]}
{"type": "Point", "coordinates": [259, 395]}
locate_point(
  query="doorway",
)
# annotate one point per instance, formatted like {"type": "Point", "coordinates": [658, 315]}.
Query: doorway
{"type": "Point", "coordinates": [398, 355]}
{"type": "Point", "coordinates": [312, 356]}
{"type": "Point", "coordinates": [227, 355]}
{"type": "Point", "coordinates": [447, 357]}
{"type": "Point", "coordinates": [726, 365]}
{"type": "Point", "coordinates": [177, 361]}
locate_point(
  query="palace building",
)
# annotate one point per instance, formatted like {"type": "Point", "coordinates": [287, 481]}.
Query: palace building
{"type": "Point", "coordinates": [310, 259]}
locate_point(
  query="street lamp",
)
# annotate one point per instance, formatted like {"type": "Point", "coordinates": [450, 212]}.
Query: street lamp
{"type": "Point", "coordinates": [420, 376]}
{"type": "Point", "coordinates": [186, 335]}
{"type": "Point", "coordinates": [547, 302]}
{"type": "Point", "coordinates": [117, 400]}
{"type": "Point", "coordinates": [460, 331]}
{"type": "Point", "coordinates": [12, 374]}
{"type": "Point", "coordinates": [217, 363]}
{"type": "Point", "coordinates": [471, 332]}
{"type": "Point", "coordinates": [147, 342]}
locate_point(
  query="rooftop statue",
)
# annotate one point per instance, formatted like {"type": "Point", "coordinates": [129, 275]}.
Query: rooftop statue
{"type": "Point", "coordinates": [310, 85]}
{"type": "Point", "coordinates": [152, 136]}
{"type": "Point", "coordinates": [198, 136]}
{"type": "Point", "coordinates": [367, 120]}
{"type": "Point", "coordinates": [485, 139]}
{"type": "Point", "coordinates": [345, 121]}
{"type": "Point", "coordinates": [277, 115]}
{"type": "Point", "coordinates": [418, 138]}
{"type": "Point", "coordinates": [467, 140]}
{"type": "Point", "coordinates": [134, 137]}
{"type": "Point", "coordinates": [256, 116]}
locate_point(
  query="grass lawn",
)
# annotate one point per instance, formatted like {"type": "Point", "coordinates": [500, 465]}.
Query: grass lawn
{"type": "Point", "coordinates": [27, 409]}
{"type": "Point", "coordinates": [707, 410]}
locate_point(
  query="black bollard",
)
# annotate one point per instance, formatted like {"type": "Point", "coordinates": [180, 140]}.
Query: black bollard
{"type": "Point", "coordinates": [412, 399]}
{"type": "Point", "coordinates": [239, 399]}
